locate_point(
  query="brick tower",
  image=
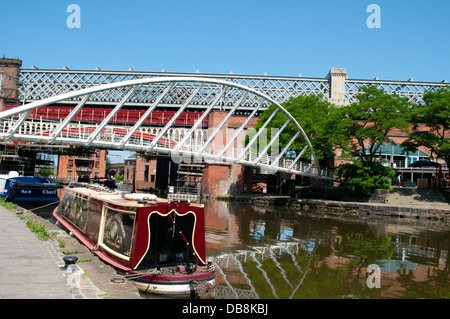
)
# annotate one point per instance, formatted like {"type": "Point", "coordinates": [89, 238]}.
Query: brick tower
{"type": "Point", "coordinates": [9, 81]}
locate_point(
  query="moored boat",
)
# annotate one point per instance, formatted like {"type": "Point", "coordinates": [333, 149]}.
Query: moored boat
{"type": "Point", "coordinates": [158, 244]}
{"type": "Point", "coordinates": [28, 190]}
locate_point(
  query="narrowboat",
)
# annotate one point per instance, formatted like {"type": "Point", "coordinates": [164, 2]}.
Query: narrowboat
{"type": "Point", "coordinates": [28, 191]}
{"type": "Point", "coordinates": [158, 244]}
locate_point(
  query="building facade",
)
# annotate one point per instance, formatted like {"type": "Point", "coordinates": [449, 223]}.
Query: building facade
{"type": "Point", "coordinates": [91, 165]}
{"type": "Point", "coordinates": [143, 173]}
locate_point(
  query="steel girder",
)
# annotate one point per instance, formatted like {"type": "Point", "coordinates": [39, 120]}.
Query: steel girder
{"type": "Point", "coordinates": [413, 91]}
{"type": "Point", "coordinates": [182, 144]}
{"type": "Point", "coordinates": [39, 84]}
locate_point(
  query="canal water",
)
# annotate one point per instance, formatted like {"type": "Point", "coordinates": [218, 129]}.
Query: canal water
{"type": "Point", "coordinates": [277, 252]}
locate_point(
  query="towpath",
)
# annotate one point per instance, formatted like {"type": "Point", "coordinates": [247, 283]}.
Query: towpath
{"type": "Point", "coordinates": [27, 269]}
{"type": "Point", "coordinates": [34, 269]}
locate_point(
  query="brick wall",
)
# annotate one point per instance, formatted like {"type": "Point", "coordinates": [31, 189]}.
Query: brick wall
{"type": "Point", "coordinates": [92, 165]}
{"type": "Point", "coordinates": [145, 172]}
{"type": "Point", "coordinates": [226, 178]}
{"type": "Point", "coordinates": [9, 72]}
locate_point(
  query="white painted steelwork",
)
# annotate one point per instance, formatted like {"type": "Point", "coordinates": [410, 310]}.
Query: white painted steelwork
{"type": "Point", "coordinates": [182, 144]}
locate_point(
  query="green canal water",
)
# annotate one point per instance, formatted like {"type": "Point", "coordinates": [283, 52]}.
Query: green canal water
{"type": "Point", "coordinates": [277, 252]}
{"type": "Point", "coordinates": [284, 253]}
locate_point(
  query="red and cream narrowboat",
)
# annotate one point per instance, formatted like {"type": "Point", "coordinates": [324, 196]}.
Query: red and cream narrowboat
{"type": "Point", "coordinates": [159, 244]}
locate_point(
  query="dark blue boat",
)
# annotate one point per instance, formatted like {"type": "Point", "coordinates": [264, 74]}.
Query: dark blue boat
{"type": "Point", "coordinates": [28, 190]}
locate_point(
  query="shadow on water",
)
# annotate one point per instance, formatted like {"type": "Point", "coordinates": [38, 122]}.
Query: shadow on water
{"type": "Point", "coordinates": [277, 252]}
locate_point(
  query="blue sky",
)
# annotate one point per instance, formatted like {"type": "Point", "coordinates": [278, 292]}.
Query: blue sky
{"type": "Point", "coordinates": [284, 37]}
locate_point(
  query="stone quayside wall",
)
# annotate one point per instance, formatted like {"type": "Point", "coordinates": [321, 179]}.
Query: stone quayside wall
{"type": "Point", "coordinates": [345, 208]}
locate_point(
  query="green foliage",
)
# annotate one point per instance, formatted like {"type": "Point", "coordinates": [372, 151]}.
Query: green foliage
{"type": "Point", "coordinates": [435, 114]}
{"type": "Point", "coordinates": [364, 177]}
{"type": "Point", "coordinates": [107, 165]}
{"type": "Point", "coordinates": [365, 124]}
{"type": "Point", "coordinates": [119, 177]}
{"type": "Point", "coordinates": [311, 112]}
{"type": "Point", "coordinates": [38, 228]}
{"type": "Point", "coordinates": [369, 248]}
{"type": "Point", "coordinates": [7, 205]}
{"type": "Point", "coordinates": [358, 129]}
{"type": "Point", "coordinates": [45, 172]}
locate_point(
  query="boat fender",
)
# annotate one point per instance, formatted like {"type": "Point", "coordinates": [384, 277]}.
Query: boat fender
{"type": "Point", "coordinates": [205, 290]}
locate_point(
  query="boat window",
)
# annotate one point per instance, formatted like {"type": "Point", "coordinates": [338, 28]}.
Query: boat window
{"type": "Point", "coordinates": [167, 245]}
{"type": "Point", "coordinates": [117, 231]}
{"type": "Point", "coordinates": [75, 209]}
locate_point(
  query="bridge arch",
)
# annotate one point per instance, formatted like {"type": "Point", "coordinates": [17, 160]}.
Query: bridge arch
{"type": "Point", "coordinates": [210, 93]}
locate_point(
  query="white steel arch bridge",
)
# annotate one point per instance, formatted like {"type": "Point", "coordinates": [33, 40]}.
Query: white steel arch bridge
{"type": "Point", "coordinates": [193, 143]}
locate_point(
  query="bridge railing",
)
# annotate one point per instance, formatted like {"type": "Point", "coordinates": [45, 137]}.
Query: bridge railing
{"type": "Point", "coordinates": [189, 153]}
{"type": "Point", "coordinates": [232, 98]}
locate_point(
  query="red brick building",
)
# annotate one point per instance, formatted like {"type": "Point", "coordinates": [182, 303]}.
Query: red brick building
{"type": "Point", "coordinates": [92, 165]}
{"type": "Point", "coordinates": [226, 178]}
{"type": "Point", "coordinates": [9, 80]}
{"type": "Point", "coordinates": [149, 173]}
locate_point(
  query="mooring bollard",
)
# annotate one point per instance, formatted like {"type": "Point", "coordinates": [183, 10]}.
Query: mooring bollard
{"type": "Point", "coordinates": [69, 260]}
{"type": "Point", "coordinates": [72, 272]}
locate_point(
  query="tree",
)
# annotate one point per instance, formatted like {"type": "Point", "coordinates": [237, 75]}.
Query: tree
{"type": "Point", "coordinates": [119, 177]}
{"type": "Point", "coordinates": [107, 166]}
{"type": "Point", "coordinates": [311, 112]}
{"type": "Point", "coordinates": [365, 124]}
{"type": "Point", "coordinates": [364, 127]}
{"type": "Point", "coordinates": [435, 115]}
{"type": "Point", "coordinates": [45, 172]}
{"type": "Point", "coordinates": [365, 177]}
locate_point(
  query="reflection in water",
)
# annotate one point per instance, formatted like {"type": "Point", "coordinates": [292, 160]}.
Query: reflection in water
{"type": "Point", "coordinates": [283, 253]}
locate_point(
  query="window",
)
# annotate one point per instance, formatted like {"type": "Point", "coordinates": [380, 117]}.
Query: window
{"type": "Point", "coordinates": [152, 178]}
{"type": "Point", "coordinates": [146, 171]}
{"type": "Point", "coordinates": [116, 231]}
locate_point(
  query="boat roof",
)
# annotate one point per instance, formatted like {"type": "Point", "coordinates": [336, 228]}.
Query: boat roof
{"type": "Point", "coordinates": [116, 197]}
{"type": "Point", "coordinates": [110, 196]}
{"type": "Point", "coordinates": [11, 174]}
{"type": "Point", "coordinates": [29, 179]}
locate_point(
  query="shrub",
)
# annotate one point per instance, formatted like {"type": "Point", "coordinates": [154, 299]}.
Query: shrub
{"type": "Point", "coordinates": [364, 177]}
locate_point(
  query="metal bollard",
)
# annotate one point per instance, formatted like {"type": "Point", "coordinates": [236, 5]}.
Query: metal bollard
{"type": "Point", "coordinates": [69, 260]}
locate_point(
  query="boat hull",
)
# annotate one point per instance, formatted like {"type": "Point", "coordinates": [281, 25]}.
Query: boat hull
{"type": "Point", "coordinates": [29, 191]}
{"type": "Point", "coordinates": [159, 245]}
{"type": "Point", "coordinates": [171, 285]}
